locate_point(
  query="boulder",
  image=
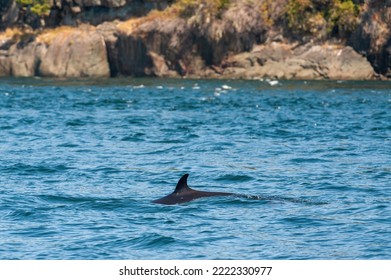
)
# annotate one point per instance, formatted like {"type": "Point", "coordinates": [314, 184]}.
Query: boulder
{"type": "Point", "coordinates": [74, 53]}
{"type": "Point", "coordinates": [26, 59]}
{"type": "Point", "coordinates": [338, 62]}
{"type": "Point", "coordinates": [284, 61]}
{"type": "Point", "coordinates": [19, 54]}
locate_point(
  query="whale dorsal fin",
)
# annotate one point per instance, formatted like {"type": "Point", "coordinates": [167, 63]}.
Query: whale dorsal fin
{"type": "Point", "coordinates": [182, 184]}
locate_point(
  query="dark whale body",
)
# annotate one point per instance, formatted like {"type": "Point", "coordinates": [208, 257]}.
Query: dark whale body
{"type": "Point", "coordinates": [183, 193]}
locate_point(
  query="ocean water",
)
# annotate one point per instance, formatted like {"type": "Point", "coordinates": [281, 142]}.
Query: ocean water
{"type": "Point", "coordinates": [81, 161]}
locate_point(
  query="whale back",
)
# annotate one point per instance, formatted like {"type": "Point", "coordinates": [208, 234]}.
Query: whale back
{"type": "Point", "coordinates": [183, 193]}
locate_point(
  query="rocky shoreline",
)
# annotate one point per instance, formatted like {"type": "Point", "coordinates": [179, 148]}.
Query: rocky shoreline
{"type": "Point", "coordinates": [237, 44]}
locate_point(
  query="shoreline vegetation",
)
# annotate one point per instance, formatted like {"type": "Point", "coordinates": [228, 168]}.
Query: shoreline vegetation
{"type": "Point", "coordinates": [234, 39]}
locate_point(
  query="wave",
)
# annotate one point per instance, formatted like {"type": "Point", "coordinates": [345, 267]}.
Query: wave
{"type": "Point", "coordinates": [21, 168]}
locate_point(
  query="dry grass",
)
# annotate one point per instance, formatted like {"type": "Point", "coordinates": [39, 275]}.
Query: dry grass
{"type": "Point", "coordinates": [10, 33]}
{"type": "Point", "coordinates": [129, 25]}
{"type": "Point", "coordinates": [45, 36]}
{"type": "Point", "coordinates": [48, 35]}
{"type": "Point", "coordinates": [181, 8]}
{"type": "Point", "coordinates": [132, 24]}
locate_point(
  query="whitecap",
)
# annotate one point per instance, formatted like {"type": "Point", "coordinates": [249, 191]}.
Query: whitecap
{"type": "Point", "coordinates": [272, 82]}
{"type": "Point", "coordinates": [226, 87]}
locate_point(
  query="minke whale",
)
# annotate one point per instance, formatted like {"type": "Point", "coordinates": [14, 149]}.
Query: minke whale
{"type": "Point", "coordinates": [183, 193]}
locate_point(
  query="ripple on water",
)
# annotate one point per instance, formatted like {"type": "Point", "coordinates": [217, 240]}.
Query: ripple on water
{"type": "Point", "coordinates": [235, 178]}
{"type": "Point", "coordinates": [151, 240]}
{"type": "Point", "coordinates": [21, 168]}
{"type": "Point", "coordinates": [82, 160]}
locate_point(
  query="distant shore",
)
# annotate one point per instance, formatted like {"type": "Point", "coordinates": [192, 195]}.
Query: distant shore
{"type": "Point", "coordinates": [236, 44]}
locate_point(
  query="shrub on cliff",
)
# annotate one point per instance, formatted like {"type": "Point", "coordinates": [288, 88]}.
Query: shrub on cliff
{"type": "Point", "coordinates": [32, 12]}
{"type": "Point", "coordinates": [188, 8]}
{"type": "Point", "coordinates": [322, 18]}
{"type": "Point", "coordinates": [38, 7]}
{"type": "Point", "coordinates": [304, 19]}
{"type": "Point", "coordinates": [343, 18]}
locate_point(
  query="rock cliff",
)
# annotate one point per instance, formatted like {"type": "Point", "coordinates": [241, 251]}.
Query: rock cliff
{"type": "Point", "coordinates": [372, 38]}
{"type": "Point", "coordinates": [63, 52]}
{"type": "Point", "coordinates": [199, 38]}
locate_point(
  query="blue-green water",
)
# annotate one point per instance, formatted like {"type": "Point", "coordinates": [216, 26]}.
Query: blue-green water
{"type": "Point", "coordinates": [81, 161]}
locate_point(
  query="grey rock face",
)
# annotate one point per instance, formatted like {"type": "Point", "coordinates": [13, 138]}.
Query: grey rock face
{"type": "Point", "coordinates": [80, 53]}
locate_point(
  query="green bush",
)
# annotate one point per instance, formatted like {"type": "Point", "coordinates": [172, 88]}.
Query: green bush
{"type": "Point", "coordinates": [343, 17]}
{"type": "Point", "coordinates": [336, 17]}
{"type": "Point", "coordinates": [298, 14]}
{"type": "Point", "coordinates": [187, 8]}
{"type": "Point", "coordinates": [38, 7]}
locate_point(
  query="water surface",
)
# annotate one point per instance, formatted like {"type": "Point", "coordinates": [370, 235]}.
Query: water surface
{"type": "Point", "coordinates": [82, 160]}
